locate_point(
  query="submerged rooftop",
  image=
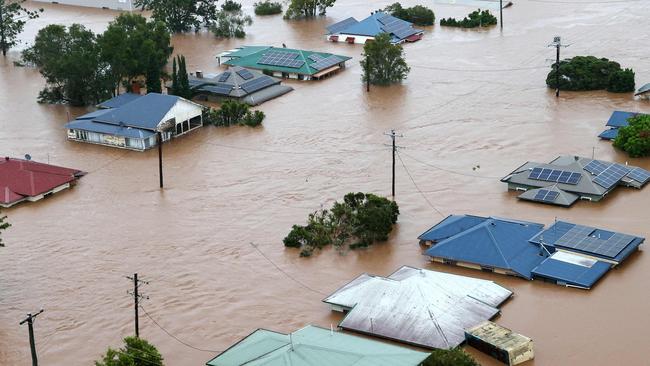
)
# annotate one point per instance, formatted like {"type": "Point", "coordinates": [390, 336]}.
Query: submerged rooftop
{"type": "Point", "coordinates": [378, 22]}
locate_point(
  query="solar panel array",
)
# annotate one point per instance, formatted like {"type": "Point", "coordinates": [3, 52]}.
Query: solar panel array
{"type": "Point", "coordinates": [315, 57]}
{"type": "Point", "coordinates": [579, 238]}
{"type": "Point", "coordinates": [245, 74]}
{"type": "Point", "coordinates": [257, 84]}
{"type": "Point", "coordinates": [555, 175]}
{"type": "Point", "coordinates": [326, 62]}
{"type": "Point", "coordinates": [401, 29]}
{"type": "Point", "coordinates": [640, 175]}
{"type": "Point", "coordinates": [223, 77]}
{"type": "Point", "coordinates": [337, 27]}
{"type": "Point", "coordinates": [596, 167]}
{"type": "Point", "coordinates": [545, 195]}
{"type": "Point", "coordinates": [283, 59]}
{"type": "Point", "coordinates": [611, 176]}
{"type": "Point", "coordinates": [218, 88]}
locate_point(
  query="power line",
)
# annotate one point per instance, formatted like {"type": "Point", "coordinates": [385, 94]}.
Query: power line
{"type": "Point", "coordinates": [418, 188]}
{"type": "Point", "coordinates": [481, 70]}
{"type": "Point", "coordinates": [451, 171]}
{"type": "Point", "coordinates": [293, 152]}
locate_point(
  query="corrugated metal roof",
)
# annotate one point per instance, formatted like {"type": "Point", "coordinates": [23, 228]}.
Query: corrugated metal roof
{"type": "Point", "coordinates": [564, 199]}
{"type": "Point", "coordinates": [417, 306]}
{"type": "Point", "coordinates": [644, 89]}
{"type": "Point", "coordinates": [314, 346]}
{"type": "Point", "coordinates": [91, 126]}
{"type": "Point", "coordinates": [119, 100]}
{"type": "Point", "coordinates": [249, 59]}
{"type": "Point", "coordinates": [619, 118]}
{"type": "Point", "coordinates": [609, 134]}
{"type": "Point", "coordinates": [492, 243]}
{"type": "Point", "coordinates": [450, 226]}
{"type": "Point", "coordinates": [375, 24]}
{"type": "Point", "coordinates": [337, 27]}
{"type": "Point", "coordinates": [572, 269]}
{"type": "Point", "coordinates": [145, 112]}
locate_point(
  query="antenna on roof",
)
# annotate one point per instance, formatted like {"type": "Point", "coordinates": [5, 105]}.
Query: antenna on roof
{"type": "Point", "coordinates": [28, 157]}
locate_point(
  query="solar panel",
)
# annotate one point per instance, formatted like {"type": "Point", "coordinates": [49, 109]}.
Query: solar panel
{"type": "Point", "coordinates": [580, 237]}
{"type": "Point", "coordinates": [639, 174]}
{"type": "Point", "coordinates": [279, 58]}
{"type": "Point", "coordinates": [544, 195]}
{"type": "Point", "coordinates": [217, 88]}
{"type": "Point", "coordinates": [596, 167]}
{"type": "Point", "coordinates": [257, 84]}
{"type": "Point", "coordinates": [555, 175]}
{"type": "Point", "coordinates": [245, 74]}
{"type": "Point", "coordinates": [338, 27]}
{"type": "Point", "coordinates": [326, 62]}
{"type": "Point", "coordinates": [316, 57]}
{"type": "Point", "coordinates": [611, 176]}
{"type": "Point", "coordinates": [223, 77]}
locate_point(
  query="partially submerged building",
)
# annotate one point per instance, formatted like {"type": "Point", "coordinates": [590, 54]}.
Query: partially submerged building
{"type": "Point", "coordinates": [568, 178]}
{"type": "Point", "coordinates": [501, 343]}
{"type": "Point", "coordinates": [417, 306]}
{"type": "Point", "coordinates": [314, 346]}
{"type": "Point", "coordinates": [103, 4]}
{"type": "Point", "coordinates": [26, 180]}
{"type": "Point", "coordinates": [351, 30]}
{"type": "Point", "coordinates": [617, 120]}
{"type": "Point", "coordinates": [285, 62]}
{"type": "Point", "coordinates": [643, 92]}
{"type": "Point", "coordinates": [237, 83]}
{"type": "Point", "coordinates": [565, 253]}
{"type": "Point", "coordinates": [132, 121]}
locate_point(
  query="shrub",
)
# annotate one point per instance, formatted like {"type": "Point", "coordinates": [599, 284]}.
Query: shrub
{"type": "Point", "coordinates": [232, 113]}
{"type": "Point", "coordinates": [477, 18]}
{"type": "Point", "coordinates": [136, 352]}
{"type": "Point", "coordinates": [621, 81]}
{"type": "Point", "coordinates": [267, 7]}
{"type": "Point", "coordinates": [635, 137]}
{"type": "Point", "coordinates": [230, 24]}
{"type": "Point", "coordinates": [230, 5]}
{"type": "Point", "coordinates": [418, 14]}
{"type": "Point", "coordinates": [452, 357]}
{"type": "Point", "coordinates": [591, 73]}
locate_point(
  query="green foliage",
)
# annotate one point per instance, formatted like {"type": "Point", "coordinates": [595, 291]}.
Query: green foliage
{"type": "Point", "coordinates": [131, 46]}
{"type": "Point", "coordinates": [154, 84]}
{"type": "Point", "coordinates": [418, 14]}
{"type": "Point", "coordinates": [232, 113]}
{"type": "Point", "coordinates": [307, 8]}
{"type": "Point", "coordinates": [591, 73]}
{"type": "Point", "coordinates": [230, 5]}
{"type": "Point", "coordinates": [383, 62]}
{"type": "Point", "coordinates": [267, 7]}
{"type": "Point", "coordinates": [180, 79]}
{"type": "Point", "coordinates": [136, 352]}
{"type": "Point", "coordinates": [230, 24]}
{"type": "Point", "coordinates": [635, 137]}
{"type": "Point", "coordinates": [69, 60]}
{"type": "Point", "coordinates": [4, 225]}
{"type": "Point", "coordinates": [477, 18]}
{"type": "Point", "coordinates": [13, 17]}
{"type": "Point", "coordinates": [452, 357]}
{"type": "Point", "coordinates": [359, 221]}
{"type": "Point", "coordinates": [182, 15]}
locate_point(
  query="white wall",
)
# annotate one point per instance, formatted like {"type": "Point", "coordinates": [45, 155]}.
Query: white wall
{"type": "Point", "coordinates": [110, 4]}
{"type": "Point", "coordinates": [357, 39]}
{"type": "Point", "coordinates": [183, 110]}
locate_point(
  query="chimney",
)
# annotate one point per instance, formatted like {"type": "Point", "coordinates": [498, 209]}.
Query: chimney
{"type": "Point", "coordinates": [199, 74]}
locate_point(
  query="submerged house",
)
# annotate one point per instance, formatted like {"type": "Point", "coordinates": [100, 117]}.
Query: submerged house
{"type": "Point", "coordinates": [314, 346]}
{"type": "Point", "coordinates": [26, 180]}
{"type": "Point", "coordinates": [617, 120]}
{"type": "Point", "coordinates": [643, 92]}
{"type": "Point", "coordinates": [417, 306]}
{"type": "Point", "coordinates": [565, 253]}
{"type": "Point", "coordinates": [351, 30]}
{"type": "Point", "coordinates": [103, 4]}
{"type": "Point", "coordinates": [285, 62]}
{"type": "Point", "coordinates": [237, 83]}
{"type": "Point", "coordinates": [132, 121]}
{"type": "Point", "coordinates": [501, 343]}
{"type": "Point", "coordinates": [568, 178]}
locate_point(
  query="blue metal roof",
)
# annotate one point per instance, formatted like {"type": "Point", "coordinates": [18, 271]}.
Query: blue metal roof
{"type": "Point", "coordinates": [450, 226]}
{"type": "Point", "coordinates": [145, 112]}
{"type": "Point", "coordinates": [119, 100]}
{"type": "Point", "coordinates": [610, 134]}
{"type": "Point", "coordinates": [373, 25]}
{"type": "Point", "coordinates": [337, 27]}
{"type": "Point", "coordinates": [91, 126]}
{"type": "Point", "coordinates": [94, 114]}
{"type": "Point", "coordinates": [571, 273]}
{"type": "Point", "coordinates": [493, 242]}
{"type": "Point", "coordinates": [619, 118]}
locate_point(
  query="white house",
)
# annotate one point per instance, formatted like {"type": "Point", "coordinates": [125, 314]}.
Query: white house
{"type": "Point", "coordinates": [104, 4]}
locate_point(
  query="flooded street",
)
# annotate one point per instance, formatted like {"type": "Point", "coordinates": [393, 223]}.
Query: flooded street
{"type": "Point", "coordinates": [473, 98]}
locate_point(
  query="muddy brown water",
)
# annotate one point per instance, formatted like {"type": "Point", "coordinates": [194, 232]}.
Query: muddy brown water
{"type": "Point", "coordinates": [473, 98]}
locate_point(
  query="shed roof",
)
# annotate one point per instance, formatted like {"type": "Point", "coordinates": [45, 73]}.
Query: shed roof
{"type": "Point", "coordinates": [377, 22]}
{"type": "Point", "coordinates": [314, 346]}
{"type": "Point", "coordinates": [416, 306]}
{"type": "Point", "coordinates": [572, 269]}
{"type": "Point", "coordinates": [499, 336]}
{"type": "Point", "coordinates": [492, 242]}
{"type": "Point", "coordinates": [609, 134]}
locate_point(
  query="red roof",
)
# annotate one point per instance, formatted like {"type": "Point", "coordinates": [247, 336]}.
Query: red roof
{"type": "Point", "coordinates": [22, 178]}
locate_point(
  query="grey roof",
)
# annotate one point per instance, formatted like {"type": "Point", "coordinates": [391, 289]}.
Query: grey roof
{"type": "Point", "coordinates": [105, 128]}
{"type": "Point", "coordinates": [265, 94]}
{"type": "Point", "coordinates": [565, 199]}
{"type": "Point", "coordinates": [145, 112]}
{"type": "Point", "coordinates": [644, 89]}
{"type": "Point", "coordinates": [419, 307]}
{"type": "Point", "coordinates": [119, 100]}
{"type": "Point", "coordinates": [337, 27]}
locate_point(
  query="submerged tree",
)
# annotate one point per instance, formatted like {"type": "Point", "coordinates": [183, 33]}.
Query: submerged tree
{"type": "Point", "coordinates": [232, 113]}
{"type": "Point", "coordinates": [635, 137]}
{"type": "Point", "coordinates": [417, 14]}
{"type": "Point", "coordinates": [13, 17]}
{"type": "Point", "coordinates": [267, 7]}
{"type": "Point", "coordinates": [307, 8]}
{"type": "Point", "coordinates": [591, 73]}
{"type": "Point", "coordinates": [477, 18]}
{"type": "Point", "coordinates": [383, 62]}
{"type": "Point", "coordinates": [4, 225]}
{"type": "Point", "coordinates": [230, 24]}
{"type": "Point", "coordinates": [182, 15]}
{"type": "Point", "coordinates": [451, 357]}
{"type": "Point", "coordinates": [136, 352]}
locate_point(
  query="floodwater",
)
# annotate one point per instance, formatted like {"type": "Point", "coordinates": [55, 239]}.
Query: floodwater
{"type": "Point", "coordinates": [474, 99]}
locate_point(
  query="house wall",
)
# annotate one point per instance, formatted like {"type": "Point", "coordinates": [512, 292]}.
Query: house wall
{"type": "Point", "coordinates": [45, 194]}
{"type": "Point", "coordinates": [182, 112]}
{"type": "Point", "coordinates": [357, 39]}
{"type": "Point", "coordinates": [109, 4]}
{"type": "Point", "coordinates": [110, 140]}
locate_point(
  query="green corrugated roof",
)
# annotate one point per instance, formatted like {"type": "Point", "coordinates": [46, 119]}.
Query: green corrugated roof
{"type": "Point", "coordinates": [248, 56]}
{"type": "Point", "coordinates": [315, 346]}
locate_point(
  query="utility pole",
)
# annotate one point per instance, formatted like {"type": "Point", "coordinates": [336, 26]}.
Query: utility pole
{"type": "Point", "coordinates": [557, 43]}
{"type": "Point", "coordinates": [32, 344]}
{"type": "Point", "coordinates": [136, 299]}
{"type": "Point", "coordinates": [501, 13]}
{"type": "Point", "coordinates": [393, 135]}
{"type": "Point", "coordinates": [160, 164]}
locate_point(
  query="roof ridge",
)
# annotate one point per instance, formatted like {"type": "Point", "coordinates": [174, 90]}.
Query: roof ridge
{"type": "Point", "coordinates": [494, 241]}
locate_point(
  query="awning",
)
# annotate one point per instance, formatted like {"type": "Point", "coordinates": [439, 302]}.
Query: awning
{"type": "Point", "coordinates": [326, 71]}
{"type": "Point", "coordinates": [334, 38]}
{"type": "Point", "coordinates": [414, 37]}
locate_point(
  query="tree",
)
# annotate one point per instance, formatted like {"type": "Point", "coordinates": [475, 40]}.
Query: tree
{"type": "Point", "coordinates": [136, 352]}
{"type": "Point", "coordinates": [4, 225]}
{"type": "Point", "coordinates": [183, 87]}
{"type": "Point", "coordinates": [132, 47]}
{"type": "Point", "coordinates": [591, 73]}
{"type": "Point", "coordinates": [307, 8]}
{"type": "Point", "coordinates": [69, 60]}
{"type": "Point", "coordinates": [417, 14]}
{"type": "Point", "coordinates": [357, 222]}
{"type": "Point", "coordinates": [230, 5]}
{"type": "Point", "coordinates": [267, 7]}
{"type": "Point", "coordinates": [452, 357]}
{"type": "Point", "coordinates": [232, 113]}
{"type": "Point", "coordinates": [621, 81]}
{"type": "Point", "coordinates": [475, 19]}
{"type": "Point", "coordinates": [182, 15]}
{"type": "Point", "coordinates": [635, 137]}
{"type": "Point", "coordinates": [153, 77]}
{"type": "Point", "coordinates": [383, 62]}
{"type": "Point", "coordinates": [13, 17]}
{"type": "Point", "coordinates": [230, 24]}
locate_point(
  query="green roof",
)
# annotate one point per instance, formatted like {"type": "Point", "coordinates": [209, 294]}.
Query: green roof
{"type": "Point", "coordinates": [314, 346]}
{"type": "Point", "coordinates": [247, 56]}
